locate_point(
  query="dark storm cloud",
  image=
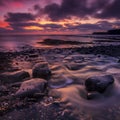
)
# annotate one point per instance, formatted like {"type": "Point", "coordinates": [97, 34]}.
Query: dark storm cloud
{"type": "Point", "coordinates": [1, 3]}
{"type": "Point", "coordinates": [90, 27]}
{"type": "Point", "coordinates": [105, 24]}
{"type": "Point", "coordinates": [117, 23]}
{"type": "Point", "coordinates": [19, 17]}
{"type": "Point", "coordinates": [111, 11]}
{"type": "Point", "coordinates": [80, 8]}
{"type": "Point", "coordinates": [37, 8]}
{"type": "Point", "coordinates": [66, 9]}
{"type": "Point", "coordinates": [98, 26]}
{"type": "Point", "coordinates": [53, 11]}
{"type": "Point", "coordinates": [24, 24]}
{"type": "Point", "coordinates": [85, 27]}
{"type": "Point", "coordinates": [17, 21]}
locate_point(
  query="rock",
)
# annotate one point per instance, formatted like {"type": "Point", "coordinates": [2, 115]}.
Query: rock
{"type": "Point", "coordinates": [11, 77]}
{"type": "Point", "coordinates": [98, 83]}
{"type": "Point", "coordinates": [33, 55]}
{"type": "Point", "coordinates": [41, 70]}
{"type": "Point", "coordinates": [3, 90]}
{"type": "Point", "coordinates": [74, 58]}
{"type": "Point", "coordinates": [74, 66]}
{"type": "Point", "coordinates": [59, 42]}
{"type": "Point", "coordinates": [30, 87]}
{"type": "Point", "coordinates": [60, 81]}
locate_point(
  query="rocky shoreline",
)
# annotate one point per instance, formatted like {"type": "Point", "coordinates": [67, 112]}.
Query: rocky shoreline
{"type": "Point", "coordinates": [32, 82]}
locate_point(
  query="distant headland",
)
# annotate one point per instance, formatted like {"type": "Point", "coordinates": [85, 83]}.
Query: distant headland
{"type": "Point", "coordinates": [109, 32]}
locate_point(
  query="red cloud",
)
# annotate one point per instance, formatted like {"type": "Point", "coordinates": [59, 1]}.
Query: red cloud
{"type": "Point", "coordinates": [17, 4]}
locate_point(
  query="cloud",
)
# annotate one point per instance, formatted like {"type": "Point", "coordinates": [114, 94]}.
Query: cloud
{"type": "Point", "coordinates": [85, 27]}
{"type": "Point", "coordinates": [2, 30]}
{"type": "Point", "coordinates": [89, 28]}
{"type": "Point", "coordinates": [19, 17]}
{"type": "Point", "coordinates": [105, 25]}
{"type": "Point", "coordinates": [28, 24]}
{"type": "Point", "coordinates": [1, 3]}
{"type": "Point", "coordinates": [17, 21]}
{"type": "Point", "coordinates": [111, 10]}
{"type": "Point", "coordinates": [67, 9]}
{"type": "Point", "coordinates": [98, 26]}
{"type": "Point", "coordinates": [79, 8]}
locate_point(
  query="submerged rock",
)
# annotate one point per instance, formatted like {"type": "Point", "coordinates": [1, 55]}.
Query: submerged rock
{"type": "Point", "coordinates": [31, 87]}
{"type": "Point", "coordinates": [74, 66]}
{"type": "Point", "coordinates": [11, 77]}
{"type": "Point", "coordinates": [99, 83]}
{"type": "Point", "coordinates": [60, 81]}
{"type": "Point", "coordinates": [41, 70]}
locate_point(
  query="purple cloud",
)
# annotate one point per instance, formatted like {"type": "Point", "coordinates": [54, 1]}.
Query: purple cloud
{"type": "Point", "coordinates": [19, 17]}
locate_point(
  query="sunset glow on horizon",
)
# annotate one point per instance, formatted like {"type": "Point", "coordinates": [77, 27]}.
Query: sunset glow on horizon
{"type": "Point", "coordinates": [58, 16]}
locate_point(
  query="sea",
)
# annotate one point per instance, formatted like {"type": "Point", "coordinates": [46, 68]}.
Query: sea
{"type": "Point", "coordinates": [18, 42]}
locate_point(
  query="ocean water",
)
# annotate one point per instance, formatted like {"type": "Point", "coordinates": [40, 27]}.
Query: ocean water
{"type": "Point", "coordinates": [16, 43]}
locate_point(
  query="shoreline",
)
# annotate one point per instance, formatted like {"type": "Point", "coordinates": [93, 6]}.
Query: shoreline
{"type": "Point", "coordinates": [70, 68]}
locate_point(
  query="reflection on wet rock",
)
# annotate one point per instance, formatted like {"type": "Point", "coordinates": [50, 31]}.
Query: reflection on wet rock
{"type": "Point", "coordinates": [11, 77]}
{"type": "Point", "coordinates": [75, 58]}
{"type": "Point", "coordinates": [41, 70]}
{"type": "Point", "coordinates": [74, 66]}
{"type": "Point", "coordinates": [31, 87]}
{"type": "Point", "coordinates": [99, 83]}
{"type": "Point", "coordinates": [60, 81]}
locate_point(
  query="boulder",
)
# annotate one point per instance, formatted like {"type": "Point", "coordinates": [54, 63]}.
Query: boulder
{"type": "Point", "coordinates": [31, 87]}
{"type": "Point", "coordinates": [12, 77]}
{"type": "Point", "coordinates": [41, 70]}
{"type": "Point", "coordinates": [99, 83]}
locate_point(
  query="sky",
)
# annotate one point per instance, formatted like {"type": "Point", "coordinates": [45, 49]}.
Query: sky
{"type": "Point", "coordinates": [58, 16]}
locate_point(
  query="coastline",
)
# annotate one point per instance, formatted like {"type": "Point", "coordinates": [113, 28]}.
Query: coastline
{"type": "Point", "coordinates": [68, 66]}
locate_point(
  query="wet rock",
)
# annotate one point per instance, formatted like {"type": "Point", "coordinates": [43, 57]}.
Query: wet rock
{"type": "Point", "coordinates": [74, 58]}
{"type": "Point", "coordinates": [33, 55]}
{"type": "Point", "coordinates": [59, 42]}
{"type": "Point", "coordinates": [74, 66]}
{"type": "Point", "coordinates": [99, 83]}
{"type": "Point", "coordinates": [77, 58]}
{"type": "Point", "coordinates": [60, 81]}
{"type": "Point", "coordinates": [41, 70]}
{"type": "Point", "coordinates": [3, 90]}
{"type": "Point", "coordinates": [11, 77]}
{"type": "Point", "coordinates": [31, 87]}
